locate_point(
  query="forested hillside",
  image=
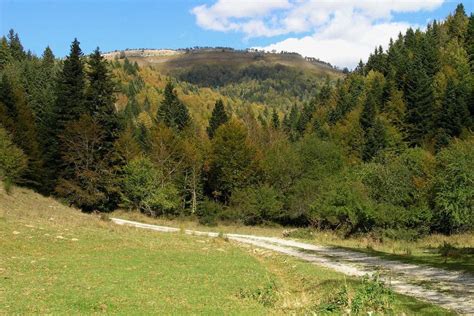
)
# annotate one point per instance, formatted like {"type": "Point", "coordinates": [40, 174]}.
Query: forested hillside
{"type": "Point", "coordinates": [387, 149]}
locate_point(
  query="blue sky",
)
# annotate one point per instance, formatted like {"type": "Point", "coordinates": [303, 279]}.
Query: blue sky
{"type": "Point", "coordinates": [315, 28]}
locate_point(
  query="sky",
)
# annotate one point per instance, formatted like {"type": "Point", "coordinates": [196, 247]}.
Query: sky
{"type": "Point", "coordinates": [337, 31]}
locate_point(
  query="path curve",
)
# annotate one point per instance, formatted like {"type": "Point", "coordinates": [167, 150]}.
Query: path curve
{"type": "Point", "coordinates": [453, 290]}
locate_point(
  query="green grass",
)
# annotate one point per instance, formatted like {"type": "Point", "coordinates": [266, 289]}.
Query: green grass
{"type": "Point", "coordinates": [56, 260]}
{"type": "Point", "coordinates": [423, 251]}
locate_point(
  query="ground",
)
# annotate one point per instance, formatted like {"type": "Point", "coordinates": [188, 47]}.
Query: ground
{"type": "Point", "coordinates": [57, 260]}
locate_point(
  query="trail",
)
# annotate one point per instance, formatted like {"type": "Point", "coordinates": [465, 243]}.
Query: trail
{"type": "Point", "coordinates": [453, 290]}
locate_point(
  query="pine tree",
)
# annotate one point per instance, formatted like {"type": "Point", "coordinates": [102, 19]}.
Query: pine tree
{"type": "Point", "coordinates": [275, 120]}
{"type": "Point", "coordinates": [5, 54]}
{"type": "Point", "coordinates": [470, 42]}
{"type": "Point", "coordinates": [68, 106]}
{"type": "Point", "coordinates": [375, 140]}
{"type": "Point", "coordinates": [305, 118]}
{"type": "Point", "coordinates": [100, 97]}
{"type": "Point", "coordinates": [453, 111]}
{"type": "Point", "coordinates": [419, 102]}
{"type": "Point", "coordinates": [70, 97]}
{"type": "Point", "coordinates": [16, 48]}
{"type": "Point", "coordinates": [218, 117]}
{"type": "Point", "coordinates": [367, 116]}
{"type": "Point", "coordinates": [48, 57]}
{"type": "Point", "coordinates": [172, 112]}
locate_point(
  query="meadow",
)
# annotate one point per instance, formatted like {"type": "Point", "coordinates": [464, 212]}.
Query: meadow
{"type": "Point", "coordinates": [57, 260]}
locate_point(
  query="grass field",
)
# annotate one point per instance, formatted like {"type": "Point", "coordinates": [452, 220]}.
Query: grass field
{"type": "Point", "coordinates": [56, 260]}
{"type": "Point", "coordinates": [427, 250]}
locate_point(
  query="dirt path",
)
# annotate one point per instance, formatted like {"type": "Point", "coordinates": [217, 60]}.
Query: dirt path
{"type": "Point", "coordinates": [453, 290]}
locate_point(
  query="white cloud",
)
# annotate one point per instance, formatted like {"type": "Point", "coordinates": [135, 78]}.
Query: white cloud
{"type": "Point", "coordinates": [342, 31]}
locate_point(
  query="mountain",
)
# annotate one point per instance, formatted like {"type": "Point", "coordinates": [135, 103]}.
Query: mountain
{"type": "Point", "coordinates": [274, 79]}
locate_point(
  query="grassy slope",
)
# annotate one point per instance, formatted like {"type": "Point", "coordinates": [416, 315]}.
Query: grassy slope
{"type": "Point", "coordinates": [424, 251]}
{"type": "Point", "coordinates": [55, 259]}
{"type": "Point", "coordinates": [170, 63]}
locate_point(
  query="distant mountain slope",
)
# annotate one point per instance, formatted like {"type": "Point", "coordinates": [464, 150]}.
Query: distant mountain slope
{"type": "Point", "coordinates": [278, 80]}
{"type": "Point", "coordinates": [170, 60]}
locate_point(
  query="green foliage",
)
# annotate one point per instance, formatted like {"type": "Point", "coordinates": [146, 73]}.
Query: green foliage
{"type": "Point", "coordinates": [172, 112]}
{"type": "Point", "coordinates": [144, 188]}
{"type": "Point", "coordinates": [257, 205]}
{"type": "Point", "coordinates": [208, 212]}
{"type": "Point", "coordinates": [371, 296]}
{"type": "Point", "coordinates": [265, 295]}
{"type": "Point", "coordinates": [13, 161]}
{"type": "Point", "coordinates": [233, 162]}
{"type": "Point", "coordinates": [454, 187]}
{"type": "Point", "coordinates": [219, 117]}
{"type": "Point", "coordinates": [344, 205]}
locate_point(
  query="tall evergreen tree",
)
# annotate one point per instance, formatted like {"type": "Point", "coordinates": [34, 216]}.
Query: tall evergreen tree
{"type": "Point", "coordinates": [275, 120]}
{"type": "Point", "coordinates": [68, 106]}
{"type": "Point", "coordinates": [172, 112]}
{"type": "Point", "coordinates": [420, 101]}
{"type": "Point", "coordinates": [5, 54]}
{"type": "Point", "coordinates": [218, 117]}
{"type": "Point", "coordinates": [70, 97]}
{"type": "Point", "coordinates": [100, 97]}
{"type": "Point", "coordinates": [470, 42]}
{"type": "Point", "coordinates": [16, 48]}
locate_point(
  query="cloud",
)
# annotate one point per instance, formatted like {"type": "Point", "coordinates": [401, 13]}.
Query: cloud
{"type": "Point", "coordinates": [342, 32]}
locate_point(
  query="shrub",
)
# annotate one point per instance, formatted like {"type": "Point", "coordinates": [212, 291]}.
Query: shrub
{"type": "Point", "coordinates": [371, 296]}
{"type": "Point", "coordinates": [208, 212]}
{"type": "Point", "coordinates": [144, 188]}
{"type": "Point", "coordinates": [257, 205]}
{"type": "Point", "coordinates": [343, 205]}
{"type": "Point", "coordinates": [454, 188]}
{"type": "Point", "coordinates": [13, 161]}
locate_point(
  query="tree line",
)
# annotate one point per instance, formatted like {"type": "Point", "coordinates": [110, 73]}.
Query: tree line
{"type": "Point", "coordinates": [387, 150]}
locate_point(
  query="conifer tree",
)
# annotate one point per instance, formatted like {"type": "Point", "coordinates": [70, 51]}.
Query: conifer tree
{"type": "Point", "coordinates": [375, 140]}
{"type": "Point", "coordinates": [5, 54]}
{"type": "Point", "coordinates": [470, 42]}
{"type": "Point", "coordinates": [419, 97]}
{"type": "Point", "coordinates": [16, 48]}
{"type": "Point", "coordinates": [218, 117]}
{"type": "Point", "coordinates": [70, 98]}
{"type": "Point", "coordinates": [68, 106]}
{"type": "Point", "coordinates": [275, 120]}
{"type": "Point", "coordinates": [172, 112]}
{"type": "Point", "coordinates": [100, 97]}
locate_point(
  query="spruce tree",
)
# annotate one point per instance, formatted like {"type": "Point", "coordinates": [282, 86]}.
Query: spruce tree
{"type": "Point", "coordinates": [100, 97]}
{"type": "Point", "coordinates": [419, 101]}
{"type": "Point", "coordinates": [275, 120]}
{"type": "Point", "coordinates": [70, 97]}
{"type": "Point", "coordinates": [68, 106]}
{"type": "Point", "coordinates": [172, 112]}
{"type": "Point", "coordinates": [16, 48]}
{"type": "Point", "coordinates": [375, 140]}
{"type": "Point", "coordinates": [218, 117]}
{"type": "Point", "coordinates": [5, 54]}
{"type": "Point", "coordinates": [470, 42]}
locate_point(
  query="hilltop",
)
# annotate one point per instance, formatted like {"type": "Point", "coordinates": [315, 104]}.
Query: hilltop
{"type": "Point", "coordinates": [169, 60]}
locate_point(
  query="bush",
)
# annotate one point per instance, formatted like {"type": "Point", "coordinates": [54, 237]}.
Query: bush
{"type": "Point", "coordinates": [257, 205]}
{"type": "Point", "coordinates": [144, 188]}
{"type": "Point", "coordinates": [13, 161]}
{"type": "Point", "coordinates": [371, 296]}
{"type": "Point", "coordinates": [343, 205]}
{"type": "Point", "coordinates": [454, 188]}
{"type": "Point", "coordinates": [208, 212]}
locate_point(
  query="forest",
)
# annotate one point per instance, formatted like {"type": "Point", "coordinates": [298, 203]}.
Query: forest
{"type": "Point", "coordinates": [387, 150]}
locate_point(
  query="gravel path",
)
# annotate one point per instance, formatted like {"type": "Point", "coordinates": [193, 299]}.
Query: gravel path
{"type": "Point", "coordinates": [453, 290]}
